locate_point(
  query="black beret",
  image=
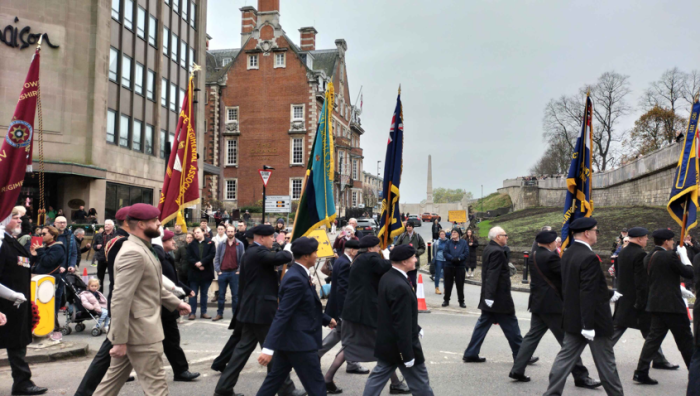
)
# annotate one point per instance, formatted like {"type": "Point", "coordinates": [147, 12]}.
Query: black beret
{"type": "Point", "coordinates": [636, 232]}
{"type": "Point", "coordinates": [303, 246]}
{"type": "Point", "coordinates": [263, 230]}
{"type": "Point", "coordinates": [369, 241]}
{"type": "Point", "coordinates": [352, 244]}
{"type": "Point", "coordinates": [663, 233]}
{"type": "Point", "coordinates": [401, 253]}
{"type": "Point", "coordinates": [249, 234]}
{"type": "Point", "coordinates": [546, 237]}
{"type": "Point", "coordinates": [583, 224]}
{"type": "Point", "coordinates": [141, 211]}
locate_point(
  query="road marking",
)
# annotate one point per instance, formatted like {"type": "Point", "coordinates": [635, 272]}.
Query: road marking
{"type": "Point", "coordinates": [202, 360]}
{"type": "Point", "coordinates": [450, 353]}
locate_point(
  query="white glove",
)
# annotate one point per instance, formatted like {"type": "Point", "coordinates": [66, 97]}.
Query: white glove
{"type": "Point", "coordinates": [616, 296]}
{"type": "Point", "coordinates": [288, 247]}
{"type": "Point", "coordinates": [170, 286]}
{"type": "Point", "coordinates": [11, 295]}
{"type": "Point", "coordinates": [177, 290]}
{"type": "Point", "coordinates": [385, 253]}
{"type": "Point", "coordinates": [589, 334]}
{"type": "Point", "coordinates": [421, 334]}
{"type": "Point", "coordinates": [686, 293]}
{"type": "Point", "coordinates": [683, 254]}
{"type": "Point", "coordinates": [410, 364]}
{"type": "Point", "coordinates": [489, 303]}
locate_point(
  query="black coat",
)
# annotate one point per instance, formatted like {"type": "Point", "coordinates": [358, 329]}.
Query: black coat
{"type": "Point", "coordinates": [111, 250]}
{"type": "Point", "coordinates": [18, 330]}
{"type": "Point", "coordinates": [586, 294]}
{"type": "Point", "coordinates": [48, 259]}
{"type": "Point", "coordinates": [258, 284]}
{"type": "Point", "coordinates": [632, 284]}
{"type": "Point", "coordinates": [81, 250]}
{"type": "Point", "coordinates": [169, 271]}
{"type": "Point", "coordinates": [339, 287]}
{"type": "Point", "coordinates": [495, 280]}
{"type": "Point", "coordinates": [207, 259]}
{"type": "Point", "coordinates": [665, 270]}
{"type": "Point", "coordinates": [102, 239]}
{"type": "Point", "coordinates": [473, 244]}
{"type": "Point", "coordinates": [241, 237]}
{"type": "Point", "coordinates": [398, 331]}
{"type": "Point", "coordinates": [361, 300]}
{"type": "Point", "coordinates": [696, 307]}
{"type": "Point", "coordinates": [543, 298]}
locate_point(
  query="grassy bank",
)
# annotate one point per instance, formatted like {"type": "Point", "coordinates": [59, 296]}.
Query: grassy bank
{"type": "Point", "coordinates": [492, 202]}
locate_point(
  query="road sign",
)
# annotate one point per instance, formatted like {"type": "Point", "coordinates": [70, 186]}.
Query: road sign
{"type": "Point", "coordinates": [278, 204]}
{"type": "Point", "coordinates": [459, 216]}
{"type": "Point", "coordinates": [265, 175]}
{"type": "Point", "coordinates": [325, 249]}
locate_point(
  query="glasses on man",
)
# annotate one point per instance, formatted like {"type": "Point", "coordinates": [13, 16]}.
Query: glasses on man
{"type": "Point", "coordinates": [45, 234]}
{"type": "Point", "coordinates": [504, 235]}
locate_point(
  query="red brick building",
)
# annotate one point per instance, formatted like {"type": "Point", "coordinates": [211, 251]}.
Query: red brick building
{"type": "Point", "coordinates": [263, 101]}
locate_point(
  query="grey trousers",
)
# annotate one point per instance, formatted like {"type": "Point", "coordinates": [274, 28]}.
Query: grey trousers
{"type": "Point", "coordinates": [603, 356]}
{"type": "Point", "coordinates": [539, 325]}
{"type": "Point", "coordinates": [619, 331]}
{"type": "Point", "coordinates": [331, 340]}
{"type": "Point", "coordinates": [416, 378]}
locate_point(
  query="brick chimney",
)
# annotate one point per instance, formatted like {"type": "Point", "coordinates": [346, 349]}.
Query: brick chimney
{"type": "Point", "coordinates": [269, 5]}
{"type": "Point", "coordinates": [308, 38]}
{"type": "Point", "coordinates": [249, 19]}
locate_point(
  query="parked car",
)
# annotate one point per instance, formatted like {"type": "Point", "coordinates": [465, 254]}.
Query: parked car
{"type": "Point", "coordinates": [427, 217]}
{"type": "Point", "coordinates": [367, 226]}
{"type": "Point", "coordinates": [437, 216]}
{"type": "Point", "coordinates": [415, 220]}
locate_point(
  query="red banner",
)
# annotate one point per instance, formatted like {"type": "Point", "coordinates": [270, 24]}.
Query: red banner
{"type": "Point", "coordinates": [181, 184]}
{"type": "Point", "coordinates": [16, 151]}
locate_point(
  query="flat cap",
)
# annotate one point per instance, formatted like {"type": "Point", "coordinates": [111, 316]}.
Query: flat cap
{"type": "Point", "coordinates": [546, 237]}
{"type": "Point", "coordinates": [122, 213]}
{"type": "Point", "coordinates": [263, 230]}
{"type": "Point", "coordinates": [636, 232]}
{"type": "Point", "coordinates": [583, 224]}
{"type": "Point", "coordinates": [663, 233]}
{"type": "Point", "coordinates": [249, 234]}
{"type": "Point", "coordinates": [368, 241]}
{"type": "Point", "coordinates": [142, 211]}
{"type": "Point", "coordinates": [402, 252]}
{"type": "Point", "coordinates": [303, 246]}
{"type": "Point", "coordinates": [352, 244]}
{"type": "Point", "coordinates": [624, 230]}
{"type": "Point", "coordinates": [167, 235]}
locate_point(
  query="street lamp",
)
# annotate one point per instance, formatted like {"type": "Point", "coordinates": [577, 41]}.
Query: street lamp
{"type": "Point", "coordinates": [265, 167]}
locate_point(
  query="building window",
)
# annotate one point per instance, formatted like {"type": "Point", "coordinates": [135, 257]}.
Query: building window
{"type": "Point", "coordinates": [181, 99]}
{"type": "Point", "coordinates": [231, 192]}
{"type": "Point", "coordinates": [193, 14]}
{"type": "Point", "coordinates": [152, 31]}
{"type": "Point", "coordinates": [298, 151]}
{"type": "Point", "coordinates": [176, 6]}
{"type": "Point", "coordinates": [184, 10]}
{"type": "Point", "coordinates": [120, 195]}
{"type": "Point", "coordinates": [192, 59]}
{"type": "Point", "coordinates": [141, 22]}
{"type": "Point", "coordinates": [354, 169]}
{"type": "Point", "coordinates": [138, 79]}
{"type": "Point", "coordinates": [167, 2]}
{"type": "Point", "coordinates": [149, 139]}
{"type": "Point", "coordinates": [225, 62]}
{"type": "Point", "coordinates": [126, 71]}
{"type": "Point", "coordinates": [166, 38]}
{"type": "Point", "coordinates": [111, 125]}
{"type": "Point", "coordinates": [164, 93]}
{"type": "Point", "coordinates": [150, 84]}
{"type": "Point", "coordinates": [231, 114]}
{"type": "Point", "coordinates": [183, 54]}
{"type": "Point", "coordinates": [295, 188]}
{"type": "Point", "coordinates": [252, 61]}
{"type": "Point", "coordinates": [354, 199]}
{"type": "Point", "coordinates": [128, 14]}
{"type": "Point", "coordinates": [297, 112]}
{"type": "Point", "coordinates": [124, 131]}
{"type": "Point", "coordinates": [113, 64]}
{"type": "Point", "coordinates": [231, 152]}
{"type": "Point", "coordinates": [163, 134]}
{"type": "Point", "coordinates": [136, 135]}
{"type": "Point", "coordinates": [173, 96]}
{"type": "Point", "coordinates": [279, 60]}
{"type": "Point", "coordinates": [173, 51]}
{"type": "Point", "coordinates": [115, 9]}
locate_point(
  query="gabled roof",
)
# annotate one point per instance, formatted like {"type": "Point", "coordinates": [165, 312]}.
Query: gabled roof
{"type": "Point", "coordinates": [325, 60]}
{"type": "Point", "coordinates": [215, 63]}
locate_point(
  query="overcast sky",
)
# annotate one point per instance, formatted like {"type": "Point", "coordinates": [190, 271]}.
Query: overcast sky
{"type": "Point", "coordinates": [476, 75]}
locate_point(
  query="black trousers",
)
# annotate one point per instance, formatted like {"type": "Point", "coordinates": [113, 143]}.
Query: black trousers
{"type": "Point", "coordinates": [171, 344]}
{"type": "Point", "coordinates": [618, 331]}
{"type": "Point", "coordinates": [661, 323]}
{"type": "Point", "coordinates": [307, 366]}
{"type": "Point", "coordinates": [21, 375]}
{"type": "Point", "coordinates": [219, 364]}
{"type": "Point", "coordinates": [97, 370]}
{"type": "Point", "coordinates": [454, 275]}
{"type": "Point", "coordinates": [101, 270]}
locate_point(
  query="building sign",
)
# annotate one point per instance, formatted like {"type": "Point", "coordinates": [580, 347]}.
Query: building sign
{"type": "Point", "coordinates": [15, 37]}
{"type": "Point", "coordinates": [278, 204]}
{"type": "Point", "coordinates": [263, 149]}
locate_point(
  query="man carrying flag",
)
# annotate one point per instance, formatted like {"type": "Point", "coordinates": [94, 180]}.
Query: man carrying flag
{"type": "Point", "coordinates": [390, 223]}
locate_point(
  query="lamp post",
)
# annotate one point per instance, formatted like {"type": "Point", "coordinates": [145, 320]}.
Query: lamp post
{"type": "Point", "coordinates": [265, 168]}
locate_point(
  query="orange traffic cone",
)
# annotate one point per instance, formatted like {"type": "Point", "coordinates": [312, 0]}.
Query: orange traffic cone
{"type": "Point", "coordinates": [420, 294]}
{"type": "Point", "coordinates": [85, 276]}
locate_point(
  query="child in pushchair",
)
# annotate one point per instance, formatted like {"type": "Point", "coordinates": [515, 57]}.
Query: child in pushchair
{"type": "Point", "coordinates": [86, 303]}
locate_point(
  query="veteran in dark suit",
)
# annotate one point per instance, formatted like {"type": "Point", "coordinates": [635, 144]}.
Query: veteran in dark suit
{"type": "Point", "coordinates": [295, 334]}
{"type": "Point", "coordinates": [546, 307]}
{"type": "Point", "coordinates": [664, 268]}
{"type": "Point", "coordinates": [398, 336]}
{"type": "Point", "coordinates": [587, 316]}
{"type": "Point", "coordinates": [694, 369]}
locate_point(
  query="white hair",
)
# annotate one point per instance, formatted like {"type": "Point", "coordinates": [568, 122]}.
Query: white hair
{"type": "Point", "coordinates": [494, 232]}
{"type": "Point", "coordinates": [79, 231]}
{"type": "Point", "coordinates": [352, 219]}
{"type": "Point", "coordinates": [108, 221]}
{"type": "Point", "coordinates": [350, 228]}
{"type": "Point", "coordinates": [558, 239]}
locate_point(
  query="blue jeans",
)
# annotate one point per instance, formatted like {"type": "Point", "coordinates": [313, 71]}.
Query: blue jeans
{"type": "Point", "coordinates": [200, 288]}
{"type": "Point", "coordinates": [439, 265]}
{"type": "Point", "coordinates": [694, 374]}
{"type": "Point", "coordinates": [104, 318]}
{"type": "Point", "coordinates": [60, 288]}
{"type": "Point", "coordinates": [230, 279]}
{"type": "Point", "coordinates": [509, 325]}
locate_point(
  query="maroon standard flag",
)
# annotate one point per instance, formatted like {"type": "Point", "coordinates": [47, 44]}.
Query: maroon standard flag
{"type": "Point", "coordinates": [16, 151]}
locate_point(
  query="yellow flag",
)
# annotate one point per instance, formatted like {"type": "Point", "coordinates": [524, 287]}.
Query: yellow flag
{"type": "Point", "coordinates": [181, 221]}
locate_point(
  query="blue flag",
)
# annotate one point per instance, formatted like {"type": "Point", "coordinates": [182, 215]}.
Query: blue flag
{"type": "Point", "coordinates": [578, 182]}
{"type": "Point", "coordinates": [390, 223]}
{"type": "Point", "coordinates": [683, 203]}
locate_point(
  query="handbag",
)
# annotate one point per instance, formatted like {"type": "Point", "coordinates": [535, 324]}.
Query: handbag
{"type": "Point", "coordinates": [327, 268]}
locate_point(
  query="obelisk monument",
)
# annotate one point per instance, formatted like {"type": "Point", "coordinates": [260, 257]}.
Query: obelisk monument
{"type": "Point", "coordinates": [429, 199]}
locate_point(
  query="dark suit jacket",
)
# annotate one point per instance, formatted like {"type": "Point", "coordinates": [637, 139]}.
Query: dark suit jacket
{"type": "Point", "coordinates": [696, 307]}
{"type": "Point", "coordinates": [258, 284]}
{"type": "Point", "coordinates": [361, 300]}
{"type": "Point", "coordinates": [632, 284]}
{"type": "Point", "coordinates": [586, 294]}
{"type": "Point", "coordinates": [339, 287]}
{"type": "Point", "coordinates": [543, 298]}
{"type": "Point", "coordinates": [298, 321]}
{"type": "Point", "coordinates": [207, 260]}
{"type": "Point", "coordinates": [397, 334]}
{"type": "Point", "coordinates": [665, 270]}
{"type": "Point", "coordinates": [169, 271]}
{"type": "Point", "coordinates": [495, 280]}
{"type": "Point", "coordinates": [111, 249]}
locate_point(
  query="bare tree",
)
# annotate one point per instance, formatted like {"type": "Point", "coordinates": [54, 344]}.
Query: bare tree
{"type": "Point", "coordinates": [562, 120]}
{"type": "Point", "coordinates": [666, 92]}
{"type": "Point", "coordinates": [555, 160]}
{"type": "Point", "coordinates": [691, 88]}
{"type": "Point", "coordinates": [609, 105]}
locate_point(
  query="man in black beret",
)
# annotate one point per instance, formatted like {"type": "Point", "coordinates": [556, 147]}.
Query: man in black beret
{"type": "Point", "coordinates": [633, 288]}
{"type": "Point", "coordinates": [587, 318]}
{"type": "Point", "coordinates": [398, 335]}
{"type": "Point", "coordinates": [546, 306]}
{"type": "Point", "coordinates": [664, 268]}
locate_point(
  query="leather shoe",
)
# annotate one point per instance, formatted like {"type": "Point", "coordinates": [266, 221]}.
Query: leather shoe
{"type": "Point", "coordinates": [131, 379]}
{"type": "Point", "coordinates": [217, 318]}
{"type": "Point", "coordinates": [519, 377]}
{"type": "Point", "coordinates": [644, 379]}
{"type": "Point", "coordinates": [205, 316]}
{"type": "Point", "coordinates": [665, 366]}
{"type": "Point", "coordinates": [359, 370]}
{"type": "Point", "coordinates": [298, 392]}
{"type": "Point", "coordinates": [588, 383]}
{"type": "Point", "coordinates": [400, 389]}
{"type": "Point", "coordinates": [185, 376]}
{"type": "Point", "coordinates": [30, 390]}
{"type": "Point", "coordinates": [191, 317]}
{"type": "Point", "coordinates": [473, 359]}
{"type": "Point", "coordinates": [462, 305]}
{"type": "Point", "coordinates": [445, 303]}
{"type": "Point", "coordinates": [331, 389]}
{"type": "Point", "coordinates": [533, 360]}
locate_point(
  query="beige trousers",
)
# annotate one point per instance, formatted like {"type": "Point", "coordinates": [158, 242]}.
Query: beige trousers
{"type": "Point", "coordinates": [147, 361]}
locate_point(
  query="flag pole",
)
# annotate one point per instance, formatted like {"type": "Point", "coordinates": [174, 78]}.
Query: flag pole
{"type": "Point", "coordinates": [685, 219]}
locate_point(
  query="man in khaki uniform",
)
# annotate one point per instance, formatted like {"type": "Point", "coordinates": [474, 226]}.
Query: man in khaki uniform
{"type": "Point", "coordinates": [136, 331]}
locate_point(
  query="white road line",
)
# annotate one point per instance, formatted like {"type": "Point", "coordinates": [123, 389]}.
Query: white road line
{"type": "Point", "coordinates": [202, 360]}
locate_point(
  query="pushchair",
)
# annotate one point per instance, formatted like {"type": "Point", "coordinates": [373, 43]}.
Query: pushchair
{"type": "Point", "coordinates": [76, 313]}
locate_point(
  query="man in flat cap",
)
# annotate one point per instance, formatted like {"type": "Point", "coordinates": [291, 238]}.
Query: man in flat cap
{"type": "Point", "coordinates": [664, 269]}
{"type": "Point", "coordinates": [632, 285]}
{"type": "Point", "coordinates": [587, 316]}
{"type": "Point", "coordinates": [398, 335]}
{"type": "Point", "coordinates": [546, 306]}
{"type": "Point", "coordinates": [295, 334]}
{"type": "Point", "coordinates": [136, 331]}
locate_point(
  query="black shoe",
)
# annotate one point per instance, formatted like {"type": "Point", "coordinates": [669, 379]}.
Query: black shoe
{"type": "Point", "coordinates": [664, 366]}
{"type": "Point", "coordinates": [533, 360]}
{"type": "Point", "coordinates": [644, 379]}
{"type": "Point", "coordinates": [29, 390]}
{"type": "Point", "coordinates": [360, 370]}
{"type": "Point", "coordinates": [519, 377]}
{"type": "Point", "coordinates": [332, 389]}
{"type": "Point", "coordinates": [130, 379]}
{"type": "Point", "coordinates": [588, 383]}
{"type": "Point", "coordinates": [445, 303]}
{"type": "Point", "coordinates": [400, 389]}
{"type": "Point", "coordinates": [219, 369]}
{"type": "Point", "coordinates": [473, 359]}
{"type": "Point", "coordinates": [297, 392]}
{"type": "Point", "coordinates": [185, 376]}
{"type": "Point", "coordinates": [462, 305]}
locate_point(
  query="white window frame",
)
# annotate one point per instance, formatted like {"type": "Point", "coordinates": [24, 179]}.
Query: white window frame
{"type": "Point", "coordinates": [181, 97]}
{"type": "Point", "coordinates": [283, 57]}
{"type": "Point", "coordinates": [163, 139]}
{"type": "Point", "coordinates": [150, 84]}
{"type": "Point", "coordinates": [164, 92]}
{"type": "Point", "coordinates": [232, 152]}
{"type": "Point", "coordinates": [225, 61]}
{"type": "Point", "coordinates": [234, 192]}
{"type": "Point", "coordinates": [126, 70]}
{"type": "Point", "coordinates": [184, 10]}
{"type": "Point", "coordinates": [183, 54]}
{"type": "Point", "coordinates": [303, 111]}
{"type": "Point", "coordinates": [192, 59]}
{"type": "Point", "coordinates": [176, 6]}
{"type": "Point", "coordinates": [129, 14]}
{"type": "Point", "coordinates": [355, 166]}
{"type": "Point", "coordinates": [124, 129]}
{"type": "Point", "coordinates": [111, 126]}
{"type": "Point", "coordinates": [237, 113]}
{"type": "Point", "coordinates": [253, 62]}
{"type": "Point", "coordinates": [173, 97]}
{"type": "Point", "coordinates": [354, 199]}
{"type": "Point", "coordinates": [152, 30]}
{"type": "Point", "coordinates": [193, 15]}
{"type": "Point", "coordinates": [292, 181]}
{"type": "Point", "coordinates": [116, 9]}
{"type": "Point", "coordinates": [136, 134]}
{"type": "Point", "coordinates": [138, 78]}
{"type": "Point", "coordinates": [166, 40]}
{"type": "Point", "coordinates": [148, 137]}
{"type": "Point", "coordinates": [114, 64]}
{"type": "Point", "coordinates": [141, 22]}
{"type": "Point", "coordinates": [174, 46]}
{"type": "Point", "coordinates": [296, 143]}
